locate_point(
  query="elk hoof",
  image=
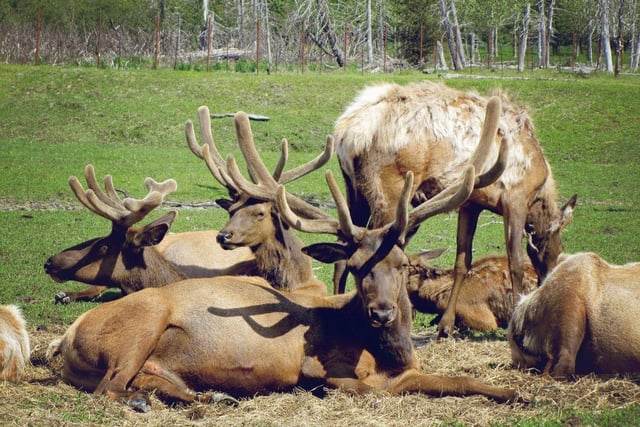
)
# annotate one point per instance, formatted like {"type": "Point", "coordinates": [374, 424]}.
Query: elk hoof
{"type": "Point", "coordinates": [224, 398]}
{"type": "Point", "coordinates": [140, 404]}
{"type": "Point", "coordinates": [444, 332]}
{"type": "Point", "coordinates": [62, 298]}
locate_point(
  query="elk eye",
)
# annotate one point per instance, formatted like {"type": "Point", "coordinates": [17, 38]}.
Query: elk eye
{"type": "Point", "coordinates": [102, 249]}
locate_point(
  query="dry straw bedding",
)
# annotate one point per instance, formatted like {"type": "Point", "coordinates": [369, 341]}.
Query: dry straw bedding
{"type": "Point", "coordinates": [42, 399]}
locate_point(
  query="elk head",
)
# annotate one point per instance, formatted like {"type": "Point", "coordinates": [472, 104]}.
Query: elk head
{"type": "Point", "coordinates": [252, 217]}
{"type": "Point", "coordinates": [111, 260]}
{"type": "Point", "coordinates": [375, 257]}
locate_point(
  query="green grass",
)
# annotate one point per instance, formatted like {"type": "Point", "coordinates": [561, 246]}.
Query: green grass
{"type": "Point", "coordinates": [130, 124]}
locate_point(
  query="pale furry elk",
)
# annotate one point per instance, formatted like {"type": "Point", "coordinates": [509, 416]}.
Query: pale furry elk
{"type": "Point", "coordinates": [132, 257]}
{"type": "Point", "coordinates": [238, 335]}
{"type": "Point", "coordinates": [433, 130]}
{"type": "Point", "coordinates": [585, 318]}
{"type": "Point", "coordinates": [15, 347]}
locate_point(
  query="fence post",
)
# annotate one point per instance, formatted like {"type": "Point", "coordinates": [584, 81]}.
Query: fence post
{"type": "Point", "coordinates": [346, 44]}
{"type": "Point", "coordinates": [303, 38]}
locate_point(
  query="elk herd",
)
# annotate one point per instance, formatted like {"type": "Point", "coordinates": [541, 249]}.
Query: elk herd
{"type": "Point", "coordinates": [212, 315]}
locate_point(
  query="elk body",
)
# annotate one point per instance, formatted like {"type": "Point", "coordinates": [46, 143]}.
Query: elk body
{"type": "Point", "coordinates": [240, 336]}
{"type": "Point", "coordinates": [585, 318]}
{"type": "Point", "coordinates": [485, 301]}
{"type": "Point", "coordinates": [432, 131]}
{"type": "Point", "coordinates": [254, 222]}
{"type": "Point", "coordinates": [15, 347]}
{"type": "Point", "coordinates": [132, 258]}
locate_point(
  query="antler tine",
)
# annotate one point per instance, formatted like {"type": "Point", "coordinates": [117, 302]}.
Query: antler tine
{"type": "Point", "coordinates": [266, 193]}
{"type": "Point", "coordinates": [402, 209]}
{"type": "Point", "coordinates": [257, 170]}
{"type": "Point", "coordinates": [342, 227]}
{"type": "Point", "coordinates": [165, 187]}
{"type": "Point", "coordinates": [447, 200]}
{"type": "Point", "coordinates": [282, 161]}
{"type": "Point", "coordinates": [110, 197]}
{"type": "Point", "coordinates": [137, 209]}
{"type": "Point", "coordinates": [490, 176]}
{"type": "Point", "coordinates": [310, 166]}
{"type": "Point", "coordinates": [81, 195]}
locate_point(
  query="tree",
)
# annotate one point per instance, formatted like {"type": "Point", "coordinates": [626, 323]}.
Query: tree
{"type": "Point", "coordinates": [524, 37]}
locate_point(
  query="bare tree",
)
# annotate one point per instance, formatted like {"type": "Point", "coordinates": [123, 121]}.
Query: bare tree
{"type": "Point", "coordinates": [634, 31]}
{"type": "Point", "coordinates": [524, 37]}
{"type": "Point", "coordinates": [445, 12]}
{"type": "Point", "coordinates": [605, 37]}
{"type": "Point", "coordinates": [369, 34]}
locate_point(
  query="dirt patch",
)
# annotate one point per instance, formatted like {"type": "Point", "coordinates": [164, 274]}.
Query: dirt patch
{"type": "Point", "coordinates": [41, 398]}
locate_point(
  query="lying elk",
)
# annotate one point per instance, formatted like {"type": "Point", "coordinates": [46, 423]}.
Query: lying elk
{"type": "Point", "coordinates": [133, 258]}
{"type": "Point", "coordinates": [432, 130]}
{"type": "Point", "coordinates": [253, 221]}
{"type": "Point", "coordinates": [485, 301]}
{"type": "Point", "coordinates": [15, 347]}
{"type": "Point", "coordinates": [583, 319]}
{"type": "Point", "coordinates": [240, 336]}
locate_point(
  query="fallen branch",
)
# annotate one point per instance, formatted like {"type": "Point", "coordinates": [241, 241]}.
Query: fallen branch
{"type": "Point", "coordinates": [251, 117]}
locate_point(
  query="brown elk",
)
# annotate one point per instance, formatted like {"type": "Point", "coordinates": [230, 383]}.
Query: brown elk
{"type": "Point", "coordinates": [431, 130]}
{"type": "Point", "coordinates": [485, 302]}
{"type": "Point", "coordinates": [253, 220]}
{"type": "Point", "coordinates": [240, 336]}
{"type": "Point", "coordinates": [583, 319]}
{"type": "Point", "coordinates": [133, 258]}
{"type": "Point", "coordinates": [15, 348]}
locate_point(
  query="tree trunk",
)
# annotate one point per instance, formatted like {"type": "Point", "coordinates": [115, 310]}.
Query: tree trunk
{"type": "Point", "coordinates": [441, 62]}
{"type": "Point", "coordinates": [633, 42]}
{"type": "Point", "coordinates": [456, 31]}
{"type": "Point", "coordinates": [605, 38]}
{"type": "Point", "coordinates": [448, 30]}
{"type": "Point", "coordinates": [524, 37]}
{"type": "Point", "coordinates": [329, 31]}
{"type": "Point", "coordinates": [548, 33]}
{"type": "Point", "coordinates": [542, 42]}
{"type": "Point", "coordinates": [369, 34]}
{"type": "Point", "coordinates": [619, 41]}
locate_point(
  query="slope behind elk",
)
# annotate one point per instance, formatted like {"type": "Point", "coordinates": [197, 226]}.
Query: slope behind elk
{"type": "Point", "coordinates": [238, 335]}
{"type": "Point", "coordinates": [133, 258]}
{"type": "Point", "coordinates": [585, 318]}
{"type": "Point", "coordinates": [432, 130]}
{"type": "Point", "coordinates": [253, 219]}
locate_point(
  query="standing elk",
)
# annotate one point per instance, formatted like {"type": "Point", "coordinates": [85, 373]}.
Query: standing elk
{"type": "Point", "coordinates": [15, 348]}
{"type": "Point", "coordinates": [432, 130]}
{"type": "Point", "coordinates": [585, 318]}
{"type": "Point", "coordinates": [240, 336]}
{"type": "Point", "coordinates": [131, 258]}
{"type": "Point", "coordinates": [485, 302]}
{"type": "Point", "coordinates": [253, 220]}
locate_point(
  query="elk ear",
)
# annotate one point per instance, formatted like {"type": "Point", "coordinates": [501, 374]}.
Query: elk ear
{"type": "Point", "coordinates": [154, 232]}
{"type": "Point", "coordinates": [430, 254]}
{"type": "Point", "coordinates": [327, 252]}
{"type": "Point", "coordinates": [566, 213]}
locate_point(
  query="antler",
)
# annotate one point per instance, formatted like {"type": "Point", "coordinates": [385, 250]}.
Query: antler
{"type": "Point", "coordinates": [108, 205]}
{"type": "Point", "coordinates": [258, 172]}
{"type": "Point", "coordinates": [265, 185]}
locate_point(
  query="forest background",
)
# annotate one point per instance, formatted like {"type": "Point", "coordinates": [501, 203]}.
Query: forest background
{"type": "Point", "coordinates": [371, 35]}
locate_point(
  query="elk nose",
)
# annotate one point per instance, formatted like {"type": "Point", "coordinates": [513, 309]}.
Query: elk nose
{"type": "Point", "coordinates": [381, 316]}
{"type": "Point", "coordinates": [223, 237]}
{"type": "Point", "coordinates": [47, 265]}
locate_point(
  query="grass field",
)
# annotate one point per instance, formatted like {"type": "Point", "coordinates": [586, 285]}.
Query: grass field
{"type": "Point", "coordinates": [130, 124]}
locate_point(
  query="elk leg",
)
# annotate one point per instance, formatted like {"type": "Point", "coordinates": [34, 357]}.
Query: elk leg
{"type": "Point", "coordinates": [467, 222]}
{"type": "Point", "coordinates": [413, 381]}
{"type": "Point", "coordinates": [570, 333]}
{"type": "Point", "coordinates": [89, 293]}
{"type": "Point", "coordinates": [513, 228]}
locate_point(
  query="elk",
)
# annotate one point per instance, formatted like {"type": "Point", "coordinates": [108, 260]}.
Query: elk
{"type": "Point", "coordinates": [253, 219]}
{"type": "Point", "coordinates": [485, 301]}
{"type": "Point", "coordinates": [431, 130]}
{"type": "Point", "coordinates": [583, 319]}
{"type": "Point", "coordinates": [131, 258]}
{"type": "Point", "coordinates": [15, 347]}
{"type": "Point", "coordinates": [238, 335]}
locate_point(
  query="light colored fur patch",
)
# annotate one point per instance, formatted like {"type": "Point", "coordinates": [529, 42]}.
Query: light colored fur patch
{"type": "Point", "coordinates": [15, 348]}
{"type": "Point", "coordinates": [386, 117]}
